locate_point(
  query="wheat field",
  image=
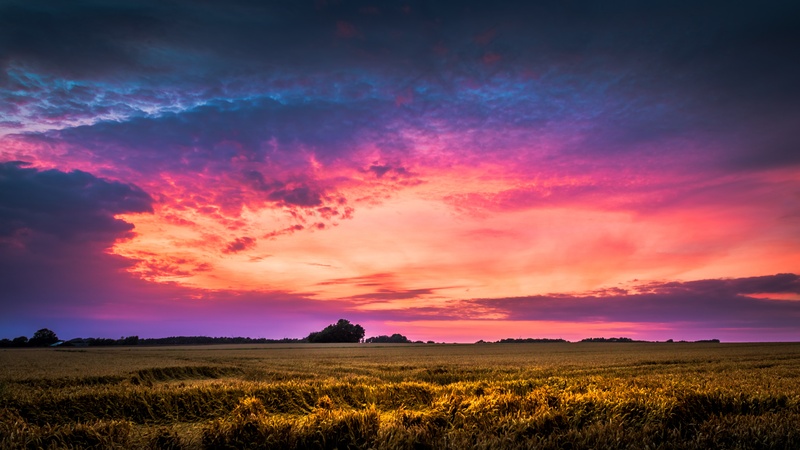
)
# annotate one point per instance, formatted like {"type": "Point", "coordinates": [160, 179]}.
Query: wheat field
{"type": "Point", "coordinates": [483, 396]}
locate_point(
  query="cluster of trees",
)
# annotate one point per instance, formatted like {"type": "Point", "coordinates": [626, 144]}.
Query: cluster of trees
{"type": "Point", "coordinates": [124, 340]}
{"type": "Point", "coordinates": [384, 339]}
{"type": "Point", "coordinates": [42, 338]}
{"type": "Point", "coordinates": [102, 342]}
{"type": "Point", "coordinates": [341, 331]}
{"type": "Point", "coordinates": [344, 331]}
{"type": "Point", "coordinates": [612, 339]}
{"type": "Point", "coordinates": [46, 338]}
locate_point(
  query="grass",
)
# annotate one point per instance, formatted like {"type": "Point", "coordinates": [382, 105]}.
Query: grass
{"type": "Point", "coordinates": [588, 395]}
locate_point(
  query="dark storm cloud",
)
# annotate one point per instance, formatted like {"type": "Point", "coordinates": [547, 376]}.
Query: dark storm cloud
{"type": "Point", "coordinates": [79, 39]}
{"type": "Point", "coordinates": [621, 73]}
{"type": "Point", "coordinates": [722, 302]}
{"type": "Point", "coordinates": [65, 204]}
{"type": "Point", "coordinates": [55, 229]}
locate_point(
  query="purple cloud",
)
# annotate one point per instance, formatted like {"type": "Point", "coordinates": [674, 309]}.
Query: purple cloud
{"type": "Point", "coordinates": [68, 205]}
{"type": "Point", "coordinates": [618, 78]}
{"type": "Point", "coordinates": [299, 196]}
{"type": "Point", "coordinates": [55, 229]}
{"type": "Point", "coordinates": [715, 303]}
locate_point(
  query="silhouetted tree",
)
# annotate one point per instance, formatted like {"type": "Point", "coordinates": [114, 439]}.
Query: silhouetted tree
{"type": "Point", "coordinates": [43, 338]}
{"type": "Point", "coordinates": [130, 340]}
{"type": "Point", "coordinates": [393, 339]}
{"type": "Point", "coordinates": [611, 339]}
{"type": "Point", "coordinates": [341, 331]}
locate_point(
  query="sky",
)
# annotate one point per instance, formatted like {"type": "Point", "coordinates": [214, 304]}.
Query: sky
{"type": "Point", "coordinates": [448, 170]}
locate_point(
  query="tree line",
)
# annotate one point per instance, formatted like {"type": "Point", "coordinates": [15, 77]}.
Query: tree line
{"type": "Point", "coordinates": [41, 338]}
{"type": "Point", "coordinates": [342, 331]}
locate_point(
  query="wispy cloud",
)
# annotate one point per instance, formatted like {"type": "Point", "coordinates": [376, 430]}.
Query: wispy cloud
{"type": "Point", "coordinates": [714, 303]}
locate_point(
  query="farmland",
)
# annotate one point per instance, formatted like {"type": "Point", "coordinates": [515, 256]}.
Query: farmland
{"type": "Point", "coordinates": [586, 395]}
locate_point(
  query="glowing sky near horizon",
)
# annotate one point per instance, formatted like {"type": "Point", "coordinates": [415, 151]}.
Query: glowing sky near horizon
{"type": "Point", "coordinates": [447, 170]}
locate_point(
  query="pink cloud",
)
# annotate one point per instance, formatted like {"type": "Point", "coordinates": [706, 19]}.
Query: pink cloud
{"type": "Point", "coordinates": [240, 244]}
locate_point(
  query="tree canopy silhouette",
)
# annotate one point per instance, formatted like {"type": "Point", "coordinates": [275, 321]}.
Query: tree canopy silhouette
{"type": "Point", "coordinates": [43, 338]}
{"type": "Point", "coordinates": [396, 338]}
{"type": "Point", "coordinates": [341, 331]}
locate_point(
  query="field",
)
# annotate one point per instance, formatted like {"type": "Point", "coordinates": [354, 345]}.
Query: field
{"type": "Point", "coordinates": [488, 396]}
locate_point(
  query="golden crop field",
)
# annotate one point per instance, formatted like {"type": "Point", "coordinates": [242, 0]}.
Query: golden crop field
{"type": "Point", "coordinates": [487, 396]}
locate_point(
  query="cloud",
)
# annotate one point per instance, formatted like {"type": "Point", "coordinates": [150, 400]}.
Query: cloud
{"type": "Point", "coordinates": [385, 287]}
{"type": "Point", "coordinates": [379, 171]}
{"type": "Point", "coordinates": [152, 266]}
{"type": "Point", "coordinates": [616, 78]}
{"type": "Point", "coordinates": [68, 205]}
{"type": "Point", "coordinates": [392, 294]}
{"type": "Point", "coordinates": [374, 279]}
{"type": "Point", "coordinates": [784, 283]}
{"type": "Point", "coordinates": [226, 155]}
{"type": "Point", "coordinates": [55, 231]}
{"type": "Point", "coordinates": [528, 197]}
{"type": "Point", "coordinates": [285, 231]}
{"type": "Point", "coordinates": [616, 98]}
{"type": "Point", "coordinates": [256, 129]}
{"type": "Point", "coordinates": [716, 303]}
{"type": "Point", "coordinates": [63, 39]}
{"type": "Point", "coordinates": [240, 244]}
{"type": "Point", "coordinates": [282, 139]}
{"type": "Point", "coordinates": [299, 196]}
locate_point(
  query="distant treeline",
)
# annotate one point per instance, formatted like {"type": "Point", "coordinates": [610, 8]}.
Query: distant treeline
{"type": "Point", "coordinates": [624, 339]}
{"type": "Point", "coordinates": [596, 339]}
{"type": "Point", "coordinates": [393, 339]}
{"type": "Point", "coordinates": [195, 340]}
{"type": "Point", "coordinates": [136, 340]}
{"type": "Point", "coordinates": [342, 331]}
{"type": "Point", "coordinates": [611, 339]}
{"type": "Point", "coordinates": [205, 340]}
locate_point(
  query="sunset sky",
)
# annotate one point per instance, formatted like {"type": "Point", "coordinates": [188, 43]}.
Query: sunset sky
{"type": "Point", "coordinates": [448, 170]}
